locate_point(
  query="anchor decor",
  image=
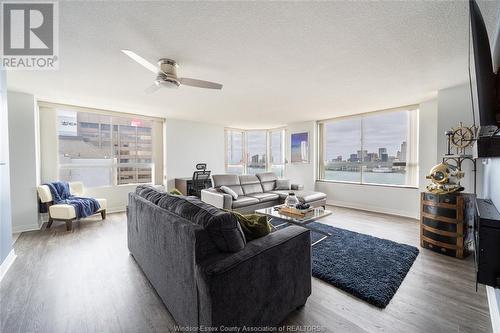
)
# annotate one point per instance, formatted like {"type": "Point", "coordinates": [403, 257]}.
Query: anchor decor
{"type": "Point", "coordinates": [445, 177]}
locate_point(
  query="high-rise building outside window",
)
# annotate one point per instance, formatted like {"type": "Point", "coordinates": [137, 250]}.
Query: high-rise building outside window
{"type": "Point", "coordinates": [255, 151]}
{"type": "Point", "coordinates": [104, 149]}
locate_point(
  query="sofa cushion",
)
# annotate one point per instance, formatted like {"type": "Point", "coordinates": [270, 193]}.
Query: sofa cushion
{"type": "Point", "coordinates": [265, 197]}
{"type": "Point", "coordinates": [222, 226]}
{"type": "Point", "coordinates": [228, 180]}
{"type": "Point", "coordinates": [254, 225]}
{"type": "Point", "coordinates": [267, 180]}
{"type": "Point", "coordinates": [229, 191]}
{"type": "Point", "coordinates": [282, 193]}
{"type": "Point", "coordinates": [250, 184]}
{"type": "Point", "coordinates": [309, 196]}
{"type": "Point", "coordinates": [244, 201]}
{"type": "Point", "coordinates": [283, 184]}
{"type": "Point", "coordinates": [303, 196]}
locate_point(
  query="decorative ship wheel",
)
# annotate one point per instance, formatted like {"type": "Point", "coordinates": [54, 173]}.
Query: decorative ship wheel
{"type": "Point", "coordinates": [462, 137]}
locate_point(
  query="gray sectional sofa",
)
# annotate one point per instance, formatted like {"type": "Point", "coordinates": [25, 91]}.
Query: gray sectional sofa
{"type": "Point", "coordinates": [197, 259]}
{"type": "Point", "coordinates": [255, 192]}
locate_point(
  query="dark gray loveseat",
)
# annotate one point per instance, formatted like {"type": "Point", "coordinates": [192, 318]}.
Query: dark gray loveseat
{"type": "Point", "coordinates": [197, 259]}
{"type": "Point", "coordinates": [255, 192]}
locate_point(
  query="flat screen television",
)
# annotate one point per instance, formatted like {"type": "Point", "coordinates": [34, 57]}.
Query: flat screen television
{"type": "Point", "coordinates": [483, 80]}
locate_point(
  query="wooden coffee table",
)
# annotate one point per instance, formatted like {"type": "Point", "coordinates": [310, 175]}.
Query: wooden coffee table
{"type": "Point", "coordinates": [314, 215]}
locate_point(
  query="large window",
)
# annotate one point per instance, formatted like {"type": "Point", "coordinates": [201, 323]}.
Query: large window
{"type": "Point", "coordinates": [256, 152]}
{"type": "Point", "coordinates": [101, 149]}
{"type": "Point", "coordinates": [374, 148]}
{"type": "Point", "coordinates": [235, 152]}
{"type": "Point", "coordinates": [277, 152]}
{"type": "Point", "coordinates": [252, 152]}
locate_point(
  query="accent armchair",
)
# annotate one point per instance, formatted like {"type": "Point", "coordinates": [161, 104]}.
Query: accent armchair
{"type": "Point", "coordinates": [64, 212]}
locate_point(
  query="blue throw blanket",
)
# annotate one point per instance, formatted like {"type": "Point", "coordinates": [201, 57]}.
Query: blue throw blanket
{"type": "Point", "coordinates": [83, 206]}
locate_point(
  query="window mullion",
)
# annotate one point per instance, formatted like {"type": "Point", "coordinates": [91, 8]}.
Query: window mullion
{"type": "Point", "coordinates": [362, 147]}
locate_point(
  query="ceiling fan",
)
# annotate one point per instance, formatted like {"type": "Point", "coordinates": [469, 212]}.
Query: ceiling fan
{"type": "Point", "coordinates": [166, 74]}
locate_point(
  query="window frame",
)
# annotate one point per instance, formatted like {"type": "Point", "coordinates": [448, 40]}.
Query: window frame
{"type": "Point", "coordinates": [243, 150]}
{"type": "Point", "coordinates": [412, 141]}
{"type": "Point", "coordinates": [157, 138]}
{"type": "Point", "coordinates": [245, 132]}
{"type": "Point", "coordinates": [282, 165]}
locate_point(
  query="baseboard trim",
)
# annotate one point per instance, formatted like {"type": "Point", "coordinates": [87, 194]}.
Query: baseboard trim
{"type": "Point", "coordinates": [116, 209]}
{"type": "Point", "coordinates": [371, 209]}
{"type": "Point", "coordinates": [494, 309]}
{"type": "Point", "coordinates": [9, 260]}
{"type": "Point", "coordinates": [26, 227]}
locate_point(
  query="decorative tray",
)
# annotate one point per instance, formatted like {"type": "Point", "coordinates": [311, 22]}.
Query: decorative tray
{"type": "Point", "coordinates": [295, 211]}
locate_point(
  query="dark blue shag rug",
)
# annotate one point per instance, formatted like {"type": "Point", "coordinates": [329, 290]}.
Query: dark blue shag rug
{"type": "Point", "coordinates": [367, 267]}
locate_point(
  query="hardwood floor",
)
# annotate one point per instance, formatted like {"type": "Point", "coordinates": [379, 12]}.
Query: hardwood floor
{"type": "Point", "coordinates": [86, 281]}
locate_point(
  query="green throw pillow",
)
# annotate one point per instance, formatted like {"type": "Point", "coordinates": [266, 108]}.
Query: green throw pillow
{"type": "Point", "coordinates": [253, 225]}
{"type": "Point", "coordinates": [175, 191]}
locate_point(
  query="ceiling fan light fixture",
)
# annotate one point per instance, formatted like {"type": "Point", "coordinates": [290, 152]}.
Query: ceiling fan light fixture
{"type": "Point", "coordinates": [167, 82]}
{"type": "Point", "coordinates": [166, 74]}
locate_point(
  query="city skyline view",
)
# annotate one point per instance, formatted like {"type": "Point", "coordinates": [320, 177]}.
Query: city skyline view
{"type": "Point", "coordinates": [388, 131]}
{"type": "Point", "coordinates": [256, 146]}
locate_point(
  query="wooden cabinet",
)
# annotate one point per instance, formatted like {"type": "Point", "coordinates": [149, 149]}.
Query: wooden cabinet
{"type": "Point", "coordinates": [445, 222]}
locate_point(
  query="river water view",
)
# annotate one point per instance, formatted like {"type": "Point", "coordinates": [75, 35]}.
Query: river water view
{"type": "Point", "coordinates": [368, 177]}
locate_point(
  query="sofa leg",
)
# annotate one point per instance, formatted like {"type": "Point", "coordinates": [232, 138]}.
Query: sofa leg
{"type": "Point", "coordinates": [300, 307]}
{"type": "Point", "coordinates": [69, 225]}
{"type": "Point", "coordinates": [49, 223]}
{"type": "Point", "coordinates": [103, 214]}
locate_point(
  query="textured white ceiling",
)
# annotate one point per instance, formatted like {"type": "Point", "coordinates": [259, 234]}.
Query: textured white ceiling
{"type": "Point", "coordinates": [279, 62]}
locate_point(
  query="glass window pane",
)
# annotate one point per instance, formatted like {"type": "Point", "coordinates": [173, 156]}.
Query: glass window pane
{"type": "Point", "coordinates": [133, 144]}
{"type": "Point", "coordinates": [236, 169]}
{"type": "Point", "coordinates": [277, 152]}
{"type": "Point", "coordinates": [95, 175]}
{"type": "Point", "coordinates": [103, 150]}
{"type": "Point", "coordinates": [342, 150]}
{"type": "Point", "coordinates": [82, 137]}
{"type": "Point", "coordinates": [256, 152]}
{"type": "Point", "coordinates": [85, 152]}
{"type": "Point", "coordinates": [276, 147]}
{"type": "Point", "coordinates": [278, 170]}
{"type": "Point", "coordinates": [234, 147]}
{"type": "Point", "coordinates": [385, 142]}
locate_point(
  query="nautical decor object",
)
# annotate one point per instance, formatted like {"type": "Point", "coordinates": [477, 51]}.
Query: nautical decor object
{"type": "Point", "coordinates": [445, 179]}
{"type": "Point", "coordinates": [460, 138]}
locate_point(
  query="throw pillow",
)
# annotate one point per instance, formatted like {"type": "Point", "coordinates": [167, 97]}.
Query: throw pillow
{"type": "Point", "coordinates": [175, 191]}
{"type": "Point", "coordinates": [283, 184]}
{"type": "Point", "coordinates": [229, 191]}
{"type": "Point", "coordinates": [253, 225]}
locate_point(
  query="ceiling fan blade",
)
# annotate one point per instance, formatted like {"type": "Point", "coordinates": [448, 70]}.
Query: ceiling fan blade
{"type": "Point", "coordinates": [141, 61]}
{"type": "Point", "coordinates": [152, 88]}
{"type": "Point", "coordinates": [199, 83]}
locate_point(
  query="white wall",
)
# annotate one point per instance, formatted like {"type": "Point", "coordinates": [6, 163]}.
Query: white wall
{"type": "Point", "coordinates": [189, 143]}
{"type": "Point", "coordinates": [5, 201]}
{"type": "Point", "coordinates": [454, 105]}
{"type": "Point", "coordinates": [23, 161]}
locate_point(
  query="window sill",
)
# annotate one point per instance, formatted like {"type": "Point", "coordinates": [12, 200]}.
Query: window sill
{"type": "Point", "coordinates": [413, 187]}
{"type": "Point", "coordinates": [117, 186]}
